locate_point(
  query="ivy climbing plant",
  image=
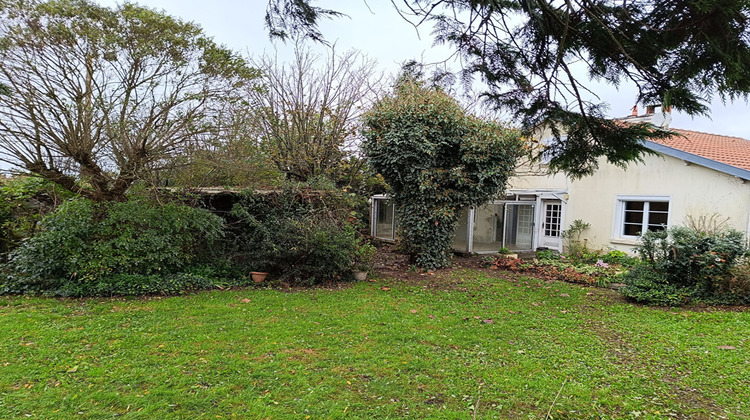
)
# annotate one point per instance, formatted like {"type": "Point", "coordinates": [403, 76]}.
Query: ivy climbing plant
{"type": "Point", "coordinates": [438, 159]}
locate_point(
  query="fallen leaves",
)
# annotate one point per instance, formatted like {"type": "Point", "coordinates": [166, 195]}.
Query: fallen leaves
{"type": "Point", "coordinates": [728, 347]}
{"type": "Point", "coordinates": [385, 289]}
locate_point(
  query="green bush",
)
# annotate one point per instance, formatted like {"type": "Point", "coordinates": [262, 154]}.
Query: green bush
{"type": "Point", "coordinates": [577, 249]}
{"type": "Point", "coordinates": [619, 257]}
{"type": "Point", "coordinates": [736, 288]}
{"type": "Point", "coordinates": [138, 284]}
{"type": "Point", "coordinates": [645, 284]}
{"type": "Point", "coordinates": [299, 240]}
{"type": "Point", "coordinates": [696, 265]}
{"type": "Point", "coordinates": [364, 255]}
{"type": "Point", "coordinates": [131, 247]}
{"type": "Point", "coordinates": [24, 201]}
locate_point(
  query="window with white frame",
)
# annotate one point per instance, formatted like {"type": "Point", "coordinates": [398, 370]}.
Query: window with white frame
{"type": "Point", "coordinates": [636, 215]}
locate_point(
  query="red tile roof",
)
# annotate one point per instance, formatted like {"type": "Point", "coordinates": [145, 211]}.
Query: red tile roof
{"type": "Point", "coordinates": [734, 151]}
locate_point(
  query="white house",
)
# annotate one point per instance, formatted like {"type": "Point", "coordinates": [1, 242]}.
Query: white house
{"type": "Point", "coordinates": [693, 174]}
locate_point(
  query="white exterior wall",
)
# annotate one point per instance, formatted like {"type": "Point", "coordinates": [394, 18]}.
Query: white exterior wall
{"type": "Point", "coordinates": [692, 190]}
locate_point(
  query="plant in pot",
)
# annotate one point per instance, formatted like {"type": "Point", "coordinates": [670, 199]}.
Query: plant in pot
{"type": "Point", "coordinates": [262, 263]}
{"type": "Point", "coordinates": [259, 276]}
{"type": "Point", "coordinates": [506, 253]}
{"type": "Point", "coordinates": [364, 259]}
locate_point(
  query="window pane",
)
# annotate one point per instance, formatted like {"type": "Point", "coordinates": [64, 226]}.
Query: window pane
{"type": "Point", "coordinates": [632, 229]}
{"type": "Point", "coordinates": [634, 205]}
{"type": "Point", "coordinates": [659, 206]}
{"type": "Point", "coordinates": [657, 218]}
{"type": "Point", "coordinates": [633, 217]}
{"type": "Point", "coordinates": [656, 228]}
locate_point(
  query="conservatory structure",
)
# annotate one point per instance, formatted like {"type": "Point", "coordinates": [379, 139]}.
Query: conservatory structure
{"type": "Point", "coordinates": [524, 220]}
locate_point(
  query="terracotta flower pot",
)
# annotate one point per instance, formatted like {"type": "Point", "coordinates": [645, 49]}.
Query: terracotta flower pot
{"type": "Point", "coordinates": [258, 276]}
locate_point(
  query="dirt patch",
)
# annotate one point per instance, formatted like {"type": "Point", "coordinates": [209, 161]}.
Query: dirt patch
{"type": "Point", "coordinates": [390, 263]}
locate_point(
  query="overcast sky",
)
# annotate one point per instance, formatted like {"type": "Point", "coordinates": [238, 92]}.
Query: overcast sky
{"type": "Point", "coordinates": [382, 34]}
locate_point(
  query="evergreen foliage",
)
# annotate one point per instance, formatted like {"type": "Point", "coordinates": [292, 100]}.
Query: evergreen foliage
{"type": "Point", "coordinates": [300, 237]}
{"type": "Point", "coordinates": [24, 201]}
{"type": "Point", "coordinates": [437, 160]}
{"type": "Point", "coordinates": [682, 264]}
{"type": "Point", "coordinates": [88, 248]}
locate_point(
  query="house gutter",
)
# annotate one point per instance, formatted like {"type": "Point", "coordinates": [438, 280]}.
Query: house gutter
{"type": "Point", "coordinates": [740, 173]}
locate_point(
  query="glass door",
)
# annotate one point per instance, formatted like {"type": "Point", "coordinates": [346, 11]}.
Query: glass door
{"type": "Point", "coordinates": [551, 230]}
{"type": "Point", "coordinates": [384, 219]}
{"type": "Point", "coordinates": [519, 226]}
{"type": "Point", "coordinates": [488, 228]}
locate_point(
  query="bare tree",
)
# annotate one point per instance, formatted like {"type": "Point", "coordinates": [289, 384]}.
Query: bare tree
{"type": "Point", "coordinates": [308, 111]}
{"type": "Point", "coordinates": [98, 96]}
{"type": "Point", "coordinates": [235, 157]}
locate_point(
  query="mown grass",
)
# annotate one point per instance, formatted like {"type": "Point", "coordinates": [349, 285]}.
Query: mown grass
{"type": "Point", "coordinates": [439, 348]}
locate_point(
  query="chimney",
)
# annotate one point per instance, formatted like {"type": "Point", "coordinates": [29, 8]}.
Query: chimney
{"type": "Point", "coordinates": [659, 119]}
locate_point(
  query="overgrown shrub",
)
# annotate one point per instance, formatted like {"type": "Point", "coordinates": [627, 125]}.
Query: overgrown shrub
{"type": "Point", "coordinates": [643, 283]}
{"type": "Point", "coordinates": [736, 288]}
{"type": "Point", "coordinates": [299, 239]}
{"type": "Point", "coordinates": [130, 247]}
{"type": "Point", "coordinates": [437, 160]}
{"type": "Point", "coordinates": [692, 264]}
{"type": "Point", "coordinates": [24, 201]}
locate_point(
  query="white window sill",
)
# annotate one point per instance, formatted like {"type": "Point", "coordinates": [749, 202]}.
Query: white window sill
{"type": "Point", "coordinates": [624, 241]}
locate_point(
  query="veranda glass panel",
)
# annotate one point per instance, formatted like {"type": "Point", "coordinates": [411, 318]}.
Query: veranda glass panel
{"type": "Point", "coordinates": [488, 228]}
{"type": "Point", "coordinates": [384, 226]}
{"type": "Point", "coordinates": [519, 229]}
{"type": "Point", "coordinates": [460, 239]}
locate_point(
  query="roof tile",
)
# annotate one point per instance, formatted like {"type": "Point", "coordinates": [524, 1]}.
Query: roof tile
{"type": "Point", "coordinates": [734, 151]}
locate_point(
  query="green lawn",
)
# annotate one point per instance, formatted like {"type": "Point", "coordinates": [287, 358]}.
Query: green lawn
{"type": "Point", "coordinates": [441, 347]}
